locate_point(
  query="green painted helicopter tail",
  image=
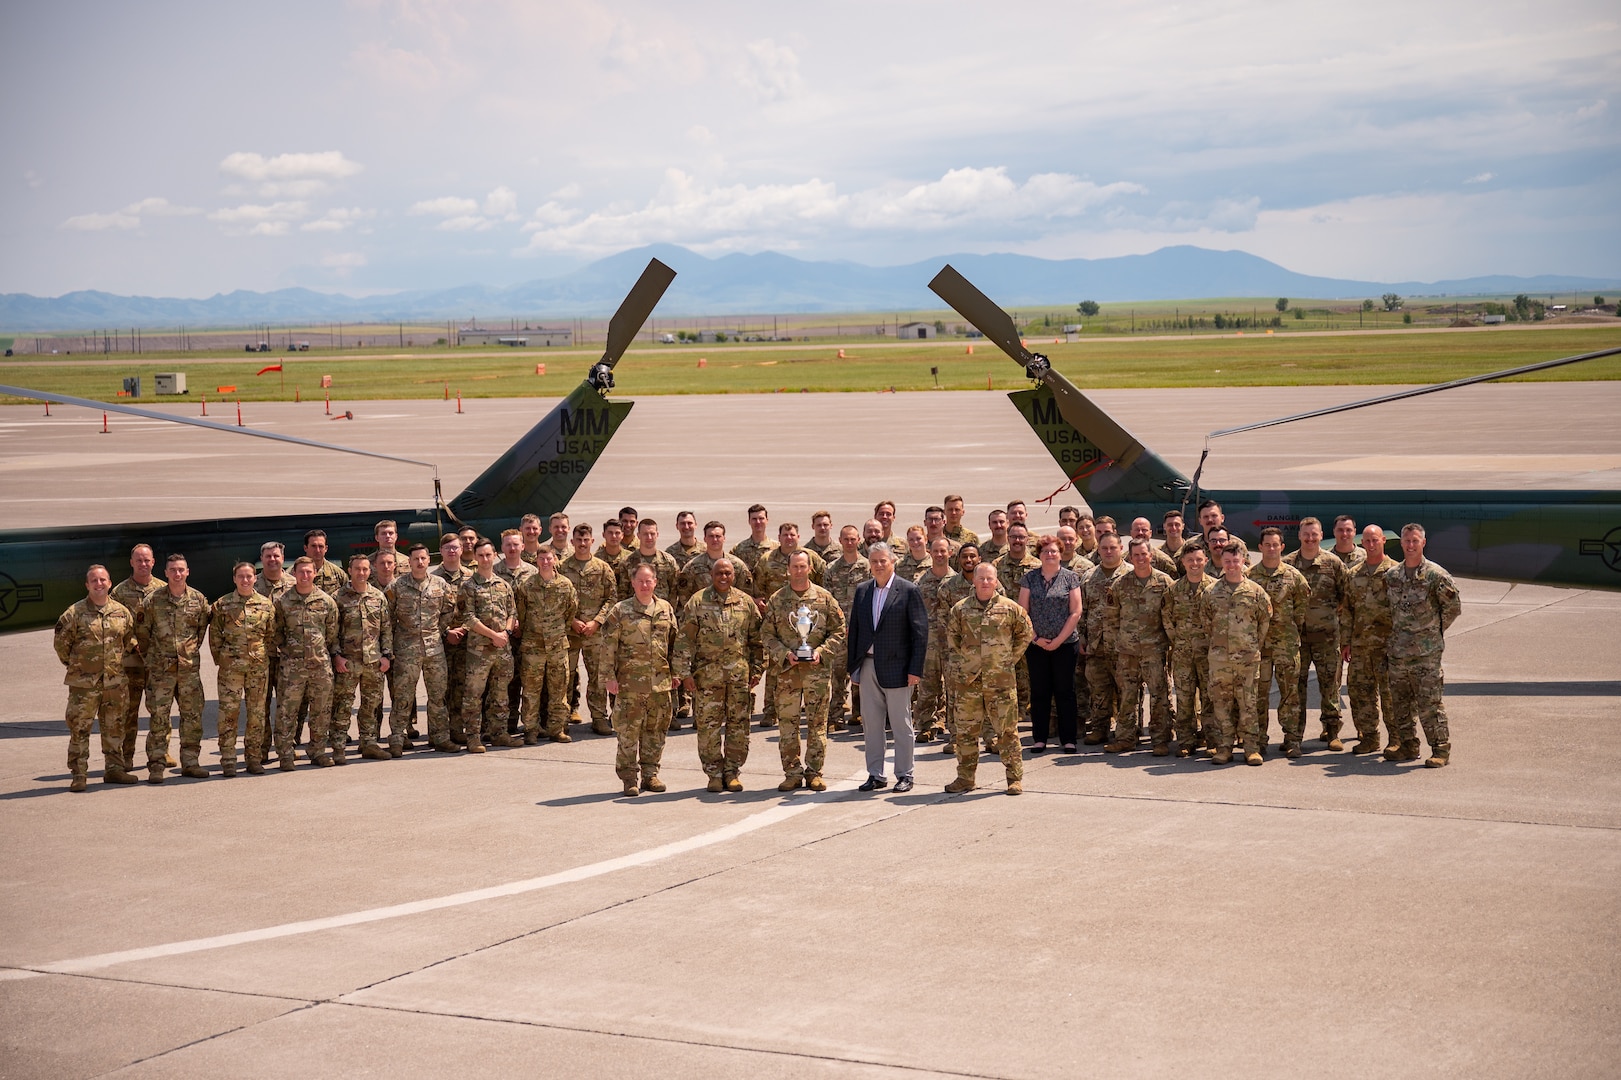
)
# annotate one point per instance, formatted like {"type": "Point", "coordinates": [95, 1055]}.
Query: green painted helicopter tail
{"type": "Point", "coordinates": [544, 468]}
{"type": "Point", "coordinates": [1104, 462]}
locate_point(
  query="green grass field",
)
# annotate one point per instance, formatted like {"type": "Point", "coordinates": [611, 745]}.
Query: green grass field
{"type": "Point", "coordinates": [1248, 359]}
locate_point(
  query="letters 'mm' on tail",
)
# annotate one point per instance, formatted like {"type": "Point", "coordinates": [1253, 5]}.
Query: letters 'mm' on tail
{"type": "Point", "coordinates": [544, 468]}
{"type": "Point", "coordinates": [1103, 461]}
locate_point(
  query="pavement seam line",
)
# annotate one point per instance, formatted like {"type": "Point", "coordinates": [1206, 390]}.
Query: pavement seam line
{"type": "Point", "coordinates": [624, 901]}
{"type": "Point", "coordinates": [787, 808]}
{"type": "Point", "coordinates": [1324, 810]}
{"type": "Point", "coordinates": [664, 1039]}
{"type": "Point", "coordinates": [207, 1038]}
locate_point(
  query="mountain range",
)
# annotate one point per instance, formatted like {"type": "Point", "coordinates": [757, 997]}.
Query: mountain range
{"type": "Point", "coordinates": [770, 283]}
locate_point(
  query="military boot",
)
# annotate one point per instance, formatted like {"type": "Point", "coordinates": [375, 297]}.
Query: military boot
{"type": "Point", "coordinates": [1366, 745]}
{"type": "Point", "coordinates": [1015, 787]}
{"type": "Point", "coordinates": [560, 736]}
{"type": "Point", "coordinates": [154, 776]}
{"type": "Point", "coordinates": [255, 767]}
{"type": "Point", "coordinates": [716, 784]}
{"type": "Point", "coordinates": [338, 757]}
{"type": "Point", "coordinates": [791, 783]}
{"type": "Point", "coordinates": [503, 739]}
{"type": "Point", "coordinates": [1291, 748]}
{"type": "Point", "coordinates": [652, 783]}
{"type": "Point", "coordinates": [116, 774]}
{"type": "Point", "coordinates": [374, 752]}
{"type": "Point", "coordinates": [227, 768]}
{"type": "Point", "coordinates": [959, 785]}
{"type": "Point", "coordinates": [1439, 756]}
{"type": "Point", "coordinates": [321, 760]}
{"type": "Point", "coordinates": [1120, 746]}
{"type": "Point", "coordinates": [78, 783]}
{"type": "Point", "coordinates": [475, 742]}
{"type": "Point", "coordinates": [1221, 755]}
{"type": "Point", "coordinates": [733, 784]}
{"type": "Point", "coordinates": [195, 771]}
{"type": "Point", "coordinates": [815, 782]}
{"type": "Point", "coordinates": [284, 762]}
{"type": "Point", "coordinates": [631, 789]}
{"type": "Point", "coordinates": [1253, 757]}
{"type": "Point", "coordinates": [1404, 752]}
{"type": "Point", "coordinates": [601, 726]}
{"type": "Point", "coordinates": [531, 736]}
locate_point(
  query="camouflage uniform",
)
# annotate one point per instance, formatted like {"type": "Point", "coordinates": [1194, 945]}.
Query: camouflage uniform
{"type": "Point", "coordinates": [134, 598]}
{"type": "Point", "coordinates": [682, 553]}
{"type": "Point", "coordinates": [751, 551]}
{"type": "Point", "coordinates": [1237, 619]}
{"type": "Point", "coordinates": [514, 578]}
{"type": "Point", "coordinates": [1134, 632]}
{"type": "Point", "coordinates": [1327, 581]}
{"type": "Point", "coordinates": [91, 642]}
{"type": "Point", "coordinates": [694, 576]}
{"type": "Point", "coordinates": [489, 666]}
{"type": "Point", "coordinates": [1008, 576]}
{"type": "Point", "coordinates": [1366, 630]}
{"type": "Point", "coordinates": [929, 708]}
{"type": "Point", "coordinates": [306, 638]}
{"type": "Point", "coordinates": [1080, 564]}
{"type": "Point", "coordinates": [828, 551]}
{"type": "Point", "coordinates": [983, 638]}
{"type": "Point", "coordinates": [1100, 688]}
{"type": "Point", "coordinates": [271, 590]}
{"type": "Point", "coordinates": [365, 638]}
{"type": "Point", "coordinates": [240, 634]}
{"type": "Point", "coordinates": [330, 577]}
{"type": "Point", "coordinates": [636, 645]}
{"type": "Point", "coordinates": [1424, 602]}
{"type": "Point", "coordinates": [666, 570]}
{"type": "Point", "coordinates": [596, 591]}
{"type": "Point", "coordinates": [1162, 561]}
{"type": "Point", "coordinates": [909, 566]}
{"type": "Point", "coordinates": [545, 609]}
{"type": "Point", "coordinates": [620, 566]}
{"type": "Point", "coordinates": [420, 612]}
{"type": "Point", "coordinates": [841, 578]}
{"type": "Point", "coordinates": [1194, 717]}
{"type": "Point", "coordinates": [718, 647]}
{"type": "Point", "coordinates": [455, 656]}
{"type": "Point", "coordinates": [170, 633]}
{"type": "Point", "coordinates": [990, 550]}
{"type": "Point", "coordinates": [802, 683]}
{"type": "Point", "coordinates": [1280, 658]}
{"type": "Point", "coordinates": [771, 574]}
{"type": "Point", "coordinates": [1352, 560]}
{"type": "Point", "coordinates": [960, 536]}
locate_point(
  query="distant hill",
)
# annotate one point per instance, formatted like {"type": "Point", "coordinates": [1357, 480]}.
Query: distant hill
{"type": "Point", "coordinates": [770, 282]}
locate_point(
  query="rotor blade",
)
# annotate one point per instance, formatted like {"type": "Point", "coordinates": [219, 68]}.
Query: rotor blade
{"type": "Point", "coordinates": [980, 310]}
{"type": "Point", "coordinates": [1399, 395]}
{"type": "Point", "coordinates": [152, 414]}
{"type": "Point", "coordinates": [637, 306]}
{"type": "Point", "coordinates": [1096, 425]}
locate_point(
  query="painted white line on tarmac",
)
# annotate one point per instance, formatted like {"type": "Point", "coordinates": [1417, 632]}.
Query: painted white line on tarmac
{"type": "Point", "coordinates": [797, 805]}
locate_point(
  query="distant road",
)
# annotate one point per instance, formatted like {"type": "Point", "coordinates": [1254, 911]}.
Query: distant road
{"type": "Point", "coordinates": [540, 354]}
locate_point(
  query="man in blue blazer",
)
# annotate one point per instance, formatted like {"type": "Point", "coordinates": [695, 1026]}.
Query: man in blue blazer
{"type": "Point", "coordinates": [889, 632]}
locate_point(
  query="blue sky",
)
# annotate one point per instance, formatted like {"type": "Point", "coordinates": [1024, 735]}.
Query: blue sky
{"type": "Point", "coordinates": [191, 148]}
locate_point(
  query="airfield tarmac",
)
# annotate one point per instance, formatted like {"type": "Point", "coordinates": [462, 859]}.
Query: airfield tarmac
{"type": "Point", "coordinates": [1129, 915]}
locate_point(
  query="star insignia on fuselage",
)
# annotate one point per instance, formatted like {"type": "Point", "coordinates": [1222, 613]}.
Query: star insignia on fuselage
{"type": "Point", "coordinates": [1608, 549]}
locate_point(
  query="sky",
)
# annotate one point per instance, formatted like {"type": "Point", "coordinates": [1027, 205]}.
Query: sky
{"type": "Point", "coordinates": [188, 149]}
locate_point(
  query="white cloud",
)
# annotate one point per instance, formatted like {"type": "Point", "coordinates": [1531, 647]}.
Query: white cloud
{"type": "Point", "coordinates": [1481, 178]}
{"type": "Point", "coordinates": [343, 260]}
{"type": "Point", "coordinates": [269, 228]}
{"type": "Point", "coordinates": [130, 216]}
{"type": "Point", "coordinates": [770, 70]}
{"type": "Point", "coordinates": [338, 219]}
{"type": "Point", "coordinates": [464, 223]}
{"type": "Point", "coordinates": [97, 222]}
{"type": "Point", "coordinates": [500, 202]}
{"type": "Point", "coordinates": [1593, 111]}
{"type": "Point", "coordinates": [256, 219]}
{"type": "Point", "coordinates": [325, 165]}
{"type": "Point", "coordinates": [445, 206]}
{"type": "Point", "coordinates": [740, 216]}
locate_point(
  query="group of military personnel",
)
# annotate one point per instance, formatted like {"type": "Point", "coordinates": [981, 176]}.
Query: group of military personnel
{"type": "Point", "coordinates": [508, 635]}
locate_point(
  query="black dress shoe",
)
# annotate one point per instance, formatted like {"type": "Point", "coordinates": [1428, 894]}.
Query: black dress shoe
{"type": "Point", "coordinates": [903, 785]}
{"type": "Point", "coordinates": [873, 784]}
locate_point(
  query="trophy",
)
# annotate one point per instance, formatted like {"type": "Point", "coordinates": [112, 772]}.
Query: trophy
{"type": "Point", "coordinates": [803, 623]}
